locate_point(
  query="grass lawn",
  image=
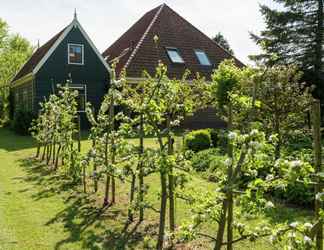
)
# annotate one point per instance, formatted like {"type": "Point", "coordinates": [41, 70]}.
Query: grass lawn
{"type": "Point", "coordinates": [40, 209]}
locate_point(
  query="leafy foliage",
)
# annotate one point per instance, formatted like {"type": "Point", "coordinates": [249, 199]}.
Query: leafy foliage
{"type": "Point", "coordinates": [22, 121]}
{"type": "Point", "coordinates": [14, 51]}
{"type": "Point", "coordinates": [198, 140]}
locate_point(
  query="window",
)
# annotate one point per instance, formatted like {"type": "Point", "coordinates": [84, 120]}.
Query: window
{"type": "Point", "coordinates": [202, 58]}
{"type": "Point", "coordinates": [174, 55]}
{"type": "Point", "coordinates": [75, 54]}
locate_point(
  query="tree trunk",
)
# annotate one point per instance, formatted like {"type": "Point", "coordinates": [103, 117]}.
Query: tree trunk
{"type": "Point", "coordinates": [131, 199]}
{"type": "Point", "coordinates": [277, 127]}
{"type": "Point", "coordinates": [141, 172]}
{"type": "Point", "coordinates": [106, 199]}
{"type": "Point", "coordinates": [221, 227]}
{"type": "Point", "coordinates": [171, 181]}
{"type": "Point", "coordinates": [57, 156]}
{"type": "Point", "coordinates": [44, 151]}
{"type": "Point", "coordinates": [162, 210]}
{"type": "Point", "coordinates": [84, 176]}
{"type": "Point", "coordinates": [319, 40]}
{"type": "Point", "coordinates": [316, 108]}
{"type": "Point", "coordinates": [229, 189]}
{"type": "Point", "coordinates": [54, 152]}
{"type": "Point", "coordinates": [38, 150]}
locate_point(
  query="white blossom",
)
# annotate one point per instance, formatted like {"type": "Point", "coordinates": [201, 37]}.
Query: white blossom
{"type": "Point", "coordinates": [296, 163]}
{"type": "Point", "coordinates": [254, 132]}
{"type": "Point", "coordinates": [294, 224]}
{"type": "Point", "coordinates": [273, 238]}
{"type": "Point", "coordinates": [307, 240]}
{"type": "Point", "coordinates": [308, 225]}
{"type": "Point", "coordinates": [319, 196]}
{"type": "Point", "coordinates": [232, 135]}
{"type": "Point", "coordinates": [269, 204]}
{"type": "Point", "coordinates": [269, 177]}
{"type": "Point", "coordinates": [228, 162]}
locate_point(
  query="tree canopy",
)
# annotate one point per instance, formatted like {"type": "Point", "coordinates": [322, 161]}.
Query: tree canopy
{"type": "Point", "coordinates": [222, 41]}
{"type": "Point", "coordinates": [293, 35]}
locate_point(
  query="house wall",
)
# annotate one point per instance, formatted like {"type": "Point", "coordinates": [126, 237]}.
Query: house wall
{"type": "Point", "coordinates": [22, 96]}
{"type": "Point", "coordinates": [56, 70]}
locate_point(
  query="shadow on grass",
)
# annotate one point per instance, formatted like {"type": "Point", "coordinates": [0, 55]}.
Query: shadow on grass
{"type": "Point", "coordinates": [88, 223]}
{"type": "Point", "coordinates": [13, 142]}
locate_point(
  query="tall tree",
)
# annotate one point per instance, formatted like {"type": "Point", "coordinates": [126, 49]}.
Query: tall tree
{"type": "Point", "coordinates": [14, 51]}
{"type": "Point", "coordinates": [222, 41]}
{"type": "Point", "coordinates": [294, 34]}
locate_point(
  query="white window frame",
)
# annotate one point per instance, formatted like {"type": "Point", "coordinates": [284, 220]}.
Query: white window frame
{"type": "Point", "coordinates": [177, 51]}
{"type": "Point", "coordinates": [82, 51]}
{"type": "Point", "coordinates": [202, 51]}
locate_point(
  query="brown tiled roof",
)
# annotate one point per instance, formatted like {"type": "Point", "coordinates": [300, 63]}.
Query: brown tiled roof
{"type": "Point", "coordinates": [36, 57]}
{"type": "Point", "coordinates": [139, 51]}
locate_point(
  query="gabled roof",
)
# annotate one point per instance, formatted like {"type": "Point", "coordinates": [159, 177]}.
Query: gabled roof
{"type": "Point", "coordinates": [40, 56]}
{"type": "Point", "coordinates": [36, 57]}
{"type": "Point", "coordinates": [137, 51]}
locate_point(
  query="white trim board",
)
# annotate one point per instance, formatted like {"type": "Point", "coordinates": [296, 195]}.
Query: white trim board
{"type": "Point", "coordinates": [73, 24]}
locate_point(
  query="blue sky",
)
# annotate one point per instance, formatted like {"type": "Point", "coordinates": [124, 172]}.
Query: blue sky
{"type": "Point", "coordinates": [106, 20]}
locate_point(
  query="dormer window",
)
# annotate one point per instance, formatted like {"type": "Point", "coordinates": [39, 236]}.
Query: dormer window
{"type": "Point", "coordinates": [75, 54]}
{"type": "Point", "coordinates": [202, 57]}
{"type": "Point", "coordinates": [174, 55]}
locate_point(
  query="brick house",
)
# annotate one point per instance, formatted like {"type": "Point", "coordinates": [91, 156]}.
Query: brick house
{"type": "Point", "coordinates": [181, 46]}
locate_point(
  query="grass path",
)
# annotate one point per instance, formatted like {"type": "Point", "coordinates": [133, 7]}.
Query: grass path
{"type": "Point", "coordinates": [40, 210]}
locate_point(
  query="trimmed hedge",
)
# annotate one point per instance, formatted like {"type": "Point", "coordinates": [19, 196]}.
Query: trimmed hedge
{"type": "Point", "coordinates": [22, 122]}
{"type": "Point", "coordinates": [198, 140]}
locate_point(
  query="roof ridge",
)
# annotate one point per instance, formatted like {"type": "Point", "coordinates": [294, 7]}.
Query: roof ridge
{"type": "Point", "coordinates": [144, 35]}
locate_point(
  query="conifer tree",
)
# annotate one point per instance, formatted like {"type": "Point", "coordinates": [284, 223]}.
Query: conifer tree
{"type": "Point", "coordinates": [294, 34]}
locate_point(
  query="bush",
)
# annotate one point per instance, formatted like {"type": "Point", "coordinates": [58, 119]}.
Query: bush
{"type": "Point", "coordinates": [203, 160]}
{"type": "Point", "coordinates": [22, 122]}
{"type": "Point", "coordinates": [198, 140]}
{"type": "Point", "coordinates": [214, 137]}
{"type": "Point", "coordinates": [297, 194]}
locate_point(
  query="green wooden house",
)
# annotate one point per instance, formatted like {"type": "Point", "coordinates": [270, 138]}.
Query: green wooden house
{"type": "Point", "coordinates": [69, 55]}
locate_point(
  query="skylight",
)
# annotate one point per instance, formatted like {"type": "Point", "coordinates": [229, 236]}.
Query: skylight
{"type": "Point", "coordinates": [202, 57]}
{"type": "Point", "coordinates": [174, 55]}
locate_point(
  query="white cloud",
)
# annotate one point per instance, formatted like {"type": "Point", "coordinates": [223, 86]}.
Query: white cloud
{"type": "Point", "coordinates": [106, 20]}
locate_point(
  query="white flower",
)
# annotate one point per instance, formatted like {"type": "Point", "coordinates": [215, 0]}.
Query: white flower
{"type": "Point", "coordinates": [307, 240]}
{"type": "Point", "coordinates": [254, 132]}
{"type": "Point", "coordinates": [308, 225]}
{"type": "Point", "coordinates": [294, 224]}
{"type": "Point", "coordinates": [296, 163]}
{"type": "Point", "coordinates": [269, 204]}
{"type": "Point", "coordinates": [228, 162]}
{"type": "Point", "coordinates": [232, 135]}
{"type": "Point", "coordinates": [273, 238]}
{"type": "Point", "coordinates": [269, 177]}
{"type": "Point", "coordinates": [319, 196]}
{"type": "Point", "coordinates": [254, 144]}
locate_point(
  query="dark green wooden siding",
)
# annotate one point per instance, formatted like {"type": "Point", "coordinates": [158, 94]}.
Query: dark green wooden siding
{"type": "Point", "coordinates": [56, 70]}
{"type": "Point", "coordinates": [22, 96]}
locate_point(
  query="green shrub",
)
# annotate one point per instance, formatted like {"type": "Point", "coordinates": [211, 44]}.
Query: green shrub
{"type": "Point", "coordinates": [198, 140]}
{"type": "Point", "coordinates": [214, 137]}
{"type": "Point", "coordinates": [297, 194]}
{"type": "Point", "coordinates": [22, 121]}
{"type": "Point", "coordinates": [203, 160]}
